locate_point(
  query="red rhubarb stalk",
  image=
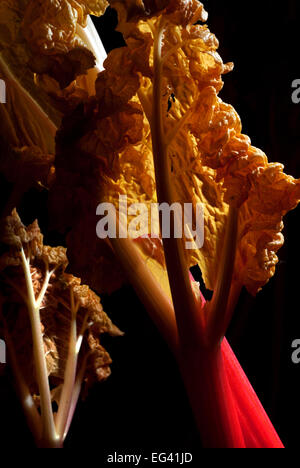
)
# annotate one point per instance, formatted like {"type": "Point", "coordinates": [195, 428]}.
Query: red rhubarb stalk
{"type": "Point", "coordinates": [201, 364]}
{"type": "Point", "coordinates": [257, 428]}
{"type": "Point", "coordinates": [226, 407]}
{"type": "Point", "coordinates": [214, 398]}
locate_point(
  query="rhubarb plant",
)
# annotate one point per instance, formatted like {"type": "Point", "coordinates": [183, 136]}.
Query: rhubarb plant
{"type": "Point", "coordinates": [52, 326]}
{"type": "Point", "coordinates": [152, 127]}
{"type": "Point", "coordinates": [157, 131]}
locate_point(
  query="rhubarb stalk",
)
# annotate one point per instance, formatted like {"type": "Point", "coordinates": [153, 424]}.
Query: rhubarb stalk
{"type": "Point", "coordinates": [183, 298]}
{"type": "Point", "coordinates": [49, 435]}
{"type": "Point", "coordinates": [201, 365]}
{"type": "Point", "coordinates": [257, 429]}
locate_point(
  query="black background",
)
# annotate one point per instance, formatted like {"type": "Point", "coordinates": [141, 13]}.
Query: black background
{"type": "Point", "coordinates": [143, 405]}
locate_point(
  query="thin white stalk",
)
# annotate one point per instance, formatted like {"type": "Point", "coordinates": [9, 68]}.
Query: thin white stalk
{"type": "Point", "coordinates": [70, 373]}
{"type": "Point", "coordinates": [75, 395]}
{"type": "Point", "coordinates": [49, 435]}
{"type": "Point", "coordinates": [83, 329]}
{"type": "Point", "coordinates": [92, 40]}
{"type": "Point", "coordinates": [41, 296]}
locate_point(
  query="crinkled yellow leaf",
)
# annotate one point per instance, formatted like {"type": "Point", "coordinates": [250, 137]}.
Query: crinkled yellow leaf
{"type": "Point", "coordinates": [50, 26]}
{"type": "Point", "coordinates": [205, 142]}
{"type": "Point", "coordinates": [43, 47]}
{"type": "Point", "coordinates": [211, 161]}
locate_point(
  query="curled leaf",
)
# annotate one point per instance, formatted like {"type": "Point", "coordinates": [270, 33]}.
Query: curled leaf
{"type": "Point", "coordinates": [45, 53]}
